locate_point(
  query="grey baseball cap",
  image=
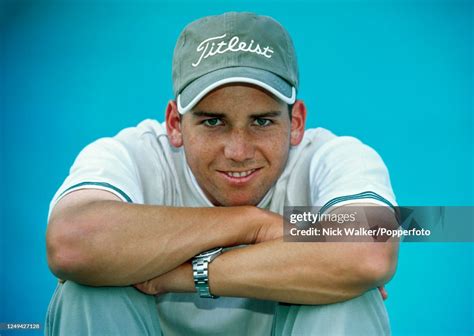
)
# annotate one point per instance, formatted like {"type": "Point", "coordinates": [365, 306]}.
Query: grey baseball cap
{"type": "Point", "coordinates": [230, 48]}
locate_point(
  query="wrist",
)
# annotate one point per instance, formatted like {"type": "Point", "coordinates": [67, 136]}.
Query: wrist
{"type": "Point", "coordinates": [269, 226]}
{"type": "Point", "coordinates": [178, 280]}
{"type": "Point", "coordinates": [200, 264]}
{"type": "Point", "coordinates": [254, 223]}
{"type": "Point", "coordinates": [242, 225]}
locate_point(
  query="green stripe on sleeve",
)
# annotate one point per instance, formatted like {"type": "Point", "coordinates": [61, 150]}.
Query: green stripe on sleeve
{"type": "Point", "coordinates": [362, 195]}
{"type": "Point", "coordinates": [100, 184]}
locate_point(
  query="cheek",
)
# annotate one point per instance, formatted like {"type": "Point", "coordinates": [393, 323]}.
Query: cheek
{"type": "Point", "coordinates": [277, 145]}
{"type": "Point", "coordinates": [199, 153]}
{"type": "Point", "coordinates": [275, 151]}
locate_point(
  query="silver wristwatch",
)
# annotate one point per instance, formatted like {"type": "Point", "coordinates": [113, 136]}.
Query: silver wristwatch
{"type": "Point", "coordinates": [201, 271]}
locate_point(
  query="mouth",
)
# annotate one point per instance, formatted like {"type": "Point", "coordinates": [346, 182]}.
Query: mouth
{"type": "Point", "coordinates": [239, 177]}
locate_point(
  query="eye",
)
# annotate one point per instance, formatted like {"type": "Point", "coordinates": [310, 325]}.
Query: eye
{"type": "Point", "coordinates": [262, 122]}
{"type": "Point", "coordinates": [212, 122]}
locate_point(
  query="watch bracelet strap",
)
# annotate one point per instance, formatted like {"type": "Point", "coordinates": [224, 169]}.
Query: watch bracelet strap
{"type": "Point", "coordinates": [201, 278]}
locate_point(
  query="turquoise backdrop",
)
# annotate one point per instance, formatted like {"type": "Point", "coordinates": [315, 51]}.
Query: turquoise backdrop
{"type": "Point", "coordinates": [396, 74]}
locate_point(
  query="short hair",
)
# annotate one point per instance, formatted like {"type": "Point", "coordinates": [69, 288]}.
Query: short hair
{"type": "Point", "coordinates": [290, 110]}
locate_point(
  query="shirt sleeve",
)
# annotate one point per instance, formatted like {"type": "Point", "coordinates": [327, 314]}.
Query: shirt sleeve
{"type": "Point", "coordinates": [344, 170]}
{"type": "Point", "coordinates": [107, 165]}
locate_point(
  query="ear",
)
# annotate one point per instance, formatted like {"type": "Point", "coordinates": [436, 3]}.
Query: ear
{"type": "Point", "coordinates": [298, 120]}
{"type": "Point", "coordinates": [173, 124]}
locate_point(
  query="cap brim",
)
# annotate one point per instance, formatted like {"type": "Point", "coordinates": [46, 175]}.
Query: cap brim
{"type": "Point", "coordinates": [197, 89]}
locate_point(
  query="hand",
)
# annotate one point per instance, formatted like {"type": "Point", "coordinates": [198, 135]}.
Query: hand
{"type": "Point", "coordinates": [383, 292]}
{"type": "Point", "coordinates": [177, 280]}
{"type": "Point", "coordinates": [151, 287]}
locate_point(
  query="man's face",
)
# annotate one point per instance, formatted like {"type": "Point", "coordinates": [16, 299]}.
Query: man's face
{"type": "Point", "coordinates": [236, 140]}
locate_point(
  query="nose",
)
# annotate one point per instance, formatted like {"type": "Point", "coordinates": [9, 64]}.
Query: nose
{"type": "Point", "coordinates": [239, 147]}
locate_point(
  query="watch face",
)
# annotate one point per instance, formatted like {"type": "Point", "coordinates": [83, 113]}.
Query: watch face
{"type": "Point", "coordinates": [209, 252]}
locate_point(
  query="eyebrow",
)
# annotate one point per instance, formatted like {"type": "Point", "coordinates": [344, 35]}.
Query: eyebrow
{"type": "Point", "coordinates": [269, 114]}
{"type": "Point", "coordinates": [208, 114]}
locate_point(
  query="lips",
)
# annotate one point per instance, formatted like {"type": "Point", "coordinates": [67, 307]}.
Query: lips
{"type": "Point", "coordinates": [240, 174]}
{"type": "Point", "coordinates": [239, 177]}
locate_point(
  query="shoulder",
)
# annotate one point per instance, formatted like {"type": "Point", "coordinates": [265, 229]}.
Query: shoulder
{"type": "Point", "coordinates": [136, 147]}
{"type": "Point", "coordinates": [325, 146]}
{"type": "Point", "coordinates": [147, 129]}
{"type": "Point", "coordinates": [344, 166]}
{"type": "Point", "coordinates": [323, 139]}
{"type": "Point", "coordinates": [137, 139]}
{"type": "Point", "coordinates": [320, 145]}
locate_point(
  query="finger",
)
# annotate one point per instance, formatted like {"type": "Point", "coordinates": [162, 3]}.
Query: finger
{"type": "Point", "coordinates": [142, 288]}
{"type": "Point", "coordinates": [383, 292]}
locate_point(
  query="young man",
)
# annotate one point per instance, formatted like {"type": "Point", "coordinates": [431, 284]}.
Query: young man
{"type": "Point", "coordinates": [137, 228]}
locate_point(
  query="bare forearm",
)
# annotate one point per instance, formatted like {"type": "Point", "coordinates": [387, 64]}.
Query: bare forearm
{"type": "Point", "coordinates": [310, 272]}
{"type": "Point", "coordinates": [301, 273]}
{"type": "Point", "coordinates": [114, 243]}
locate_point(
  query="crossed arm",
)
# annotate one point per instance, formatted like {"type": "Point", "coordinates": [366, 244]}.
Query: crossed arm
{"type": "Point", "coordinates": [95, 239]}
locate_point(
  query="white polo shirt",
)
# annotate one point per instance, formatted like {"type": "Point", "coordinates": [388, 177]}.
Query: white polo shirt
{"type": "Point", "coordinates": [139, 165]}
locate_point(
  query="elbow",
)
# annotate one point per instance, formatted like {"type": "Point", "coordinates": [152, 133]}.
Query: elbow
{"type": "Point", "coordinates": [379, 269]}
{"type": "Point", "coordinates": [381, 272]}
{"type": "Point", "coordinates": [65, 251]}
